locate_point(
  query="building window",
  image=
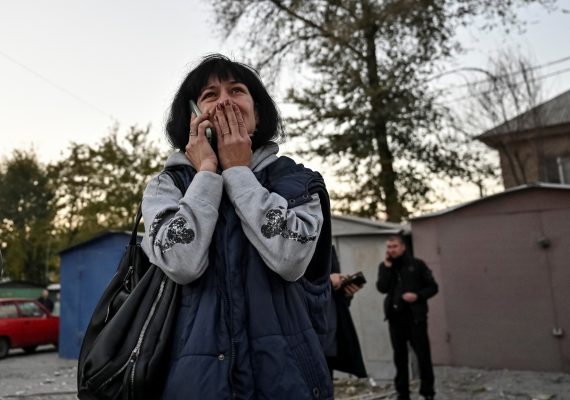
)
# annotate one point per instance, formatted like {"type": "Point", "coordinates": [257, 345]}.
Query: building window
{"type": "Point", "coordinates": [557, 170]}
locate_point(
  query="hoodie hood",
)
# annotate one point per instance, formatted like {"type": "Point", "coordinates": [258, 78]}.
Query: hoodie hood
{"type": "Point", "coordinates": [261, 158]}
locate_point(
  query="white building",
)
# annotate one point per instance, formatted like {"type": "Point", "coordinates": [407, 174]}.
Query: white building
{"type": "Point", "coordinates": [361, 244]}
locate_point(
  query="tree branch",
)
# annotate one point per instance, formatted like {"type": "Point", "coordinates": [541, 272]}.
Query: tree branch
{"type": "Point", "coordinates": [319, 28]}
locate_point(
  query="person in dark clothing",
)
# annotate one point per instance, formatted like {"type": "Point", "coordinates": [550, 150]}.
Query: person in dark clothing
{"type": "Point", "coordinates": [408, 283]}
{"type": "Point", "coordinates": [46, 301]}
{"type": "Point", "coordinates": [343, 352]}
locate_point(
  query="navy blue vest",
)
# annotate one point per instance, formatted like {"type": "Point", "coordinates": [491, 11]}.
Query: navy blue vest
{"type": "Point", "coordinates": [242, 331]}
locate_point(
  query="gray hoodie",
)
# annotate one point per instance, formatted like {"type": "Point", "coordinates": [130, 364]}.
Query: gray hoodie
{"type": "Point", "coordinates": [179, 229]}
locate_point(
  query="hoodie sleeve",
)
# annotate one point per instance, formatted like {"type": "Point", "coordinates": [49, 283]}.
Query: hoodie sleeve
{"type": "Point", "coordinates": [179, 228]}
{"type": "Point", "coordinates": [286, 238]}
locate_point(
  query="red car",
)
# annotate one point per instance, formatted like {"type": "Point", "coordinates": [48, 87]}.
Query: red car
{"type": "Point", "coordinates": [27, 324]}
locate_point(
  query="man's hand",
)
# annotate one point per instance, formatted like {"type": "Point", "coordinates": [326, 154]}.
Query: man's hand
{"type": "Point", "coordinates": [410, 297]}
{"type": "Point", "coordinates": [387, 260]}
{"type": "Point", "coordinates": [351, 289]}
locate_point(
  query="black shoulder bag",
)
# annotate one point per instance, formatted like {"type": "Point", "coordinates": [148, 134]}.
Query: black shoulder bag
{"type": "Point", "coordinates": [126, 347]}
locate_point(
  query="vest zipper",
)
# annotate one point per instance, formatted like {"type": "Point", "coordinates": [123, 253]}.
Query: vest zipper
{"type": "Point", "coordinates": [227, 295]}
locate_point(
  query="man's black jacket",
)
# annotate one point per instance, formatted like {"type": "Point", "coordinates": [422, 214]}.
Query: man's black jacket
{"type": "Point", "coordinates": [407, 274]}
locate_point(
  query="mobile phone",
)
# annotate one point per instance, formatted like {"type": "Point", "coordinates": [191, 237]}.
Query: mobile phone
{"type": "Point", "coordinates": [357, 278]}
{"type": "Point", "coordinates": [209, 134]}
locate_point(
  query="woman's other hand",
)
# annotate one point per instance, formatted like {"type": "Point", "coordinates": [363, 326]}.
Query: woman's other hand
{"type": "Point", "coordinates": [234, 143]}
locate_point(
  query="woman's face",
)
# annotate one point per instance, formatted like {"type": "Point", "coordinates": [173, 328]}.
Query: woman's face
{"type": "Point", "coordinates": [217, 91]}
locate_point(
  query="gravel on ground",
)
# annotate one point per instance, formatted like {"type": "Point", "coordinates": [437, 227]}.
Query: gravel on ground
{"type": "Point", "coordinates": [45, 376]}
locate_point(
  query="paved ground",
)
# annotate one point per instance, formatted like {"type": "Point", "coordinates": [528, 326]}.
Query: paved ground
{"type": "Point", "coordinates": [44, 376]}
{"type": "Point", "coordinates": [469, 384]}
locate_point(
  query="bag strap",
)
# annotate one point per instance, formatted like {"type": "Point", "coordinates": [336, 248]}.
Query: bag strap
{"type": "Point", "coordinates": [176, 173]}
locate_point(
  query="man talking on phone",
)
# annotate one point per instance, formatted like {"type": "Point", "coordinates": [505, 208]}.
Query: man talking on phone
{"type": "Point", "coordinates": [408, 283]}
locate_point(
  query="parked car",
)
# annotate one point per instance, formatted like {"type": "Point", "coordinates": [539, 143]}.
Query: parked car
{"type": "Point", "coordinates": [26, 324]}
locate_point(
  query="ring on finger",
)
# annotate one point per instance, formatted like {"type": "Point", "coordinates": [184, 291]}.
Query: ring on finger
{"type": "Point", "coordinates": [192, 133]}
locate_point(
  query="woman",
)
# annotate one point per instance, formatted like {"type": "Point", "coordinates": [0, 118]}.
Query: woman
{"type": "Point", "coordinates": [249, 241]}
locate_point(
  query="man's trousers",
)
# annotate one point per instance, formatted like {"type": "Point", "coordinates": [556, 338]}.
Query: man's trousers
{"type": "Point", "coordinates": [404, 330]}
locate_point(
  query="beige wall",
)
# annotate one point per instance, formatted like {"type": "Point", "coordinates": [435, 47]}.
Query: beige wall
{"type": "Point", "coordinates": [428, 249]}
{"type": "Point", "coordinates": [501, 291]}
{"type": "Point", "coordinates": [530, 149]}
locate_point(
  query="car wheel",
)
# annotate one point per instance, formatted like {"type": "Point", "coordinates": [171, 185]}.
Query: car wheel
{"type": "Point", "coordinates": [4, 347]}
{"type": "Point", "coordinates": [30, 349]}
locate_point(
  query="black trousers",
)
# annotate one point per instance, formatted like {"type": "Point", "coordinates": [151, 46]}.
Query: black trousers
{"type": "Point", "coordinates": [404, 330]}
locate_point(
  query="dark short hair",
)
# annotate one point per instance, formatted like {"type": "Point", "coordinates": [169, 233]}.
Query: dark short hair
{"type": "Point", "coordinates": [216, 65]}
{"type": "Point", "coordinates": [397, 238]}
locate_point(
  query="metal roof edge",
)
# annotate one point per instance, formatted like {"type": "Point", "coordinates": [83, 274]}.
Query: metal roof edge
{"type": "Point", "coordinates": [8, 282]}
{"type": "Point", "coordinates": [96, 237]}
{"type": "Point", "coordinates": [386, 232]}
{"type": "Point", "coordinates": [499, 129]}
{"type": "Point", "coordinates": [529, 186]}
{"type": "Point", "coordinates": [369, 222]}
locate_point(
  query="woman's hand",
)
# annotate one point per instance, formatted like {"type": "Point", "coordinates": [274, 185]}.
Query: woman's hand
{"type": "Point", "coordinates": [234, 143]}
{"type": "Point", "coordinates": [198, 149]}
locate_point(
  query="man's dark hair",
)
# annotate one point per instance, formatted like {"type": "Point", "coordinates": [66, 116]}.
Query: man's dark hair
{"type": "Point", "coordinates": [216, 65]}
{"type": "Point", "coordinates": [397, 238]}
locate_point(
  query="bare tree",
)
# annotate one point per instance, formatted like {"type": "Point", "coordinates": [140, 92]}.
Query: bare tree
{"type": "Point", "coordinates": [505, 104]}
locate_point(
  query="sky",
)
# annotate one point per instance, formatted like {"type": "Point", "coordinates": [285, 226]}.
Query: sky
{"type": "Point", "coordinates": [542, 42]}
{"type": "Point", "coordinates": [70, 70]}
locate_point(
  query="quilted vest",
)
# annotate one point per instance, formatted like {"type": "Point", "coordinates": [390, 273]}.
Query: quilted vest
{"type": "Point", "coordinates": [242, 331]}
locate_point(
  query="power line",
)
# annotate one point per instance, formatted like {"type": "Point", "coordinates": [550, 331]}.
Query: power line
{"type": "Point", "coordinates": [57, 86]}
{"type": "Point", "coordinates": [530, 68]}
{"type": "Point", "coordinates": [539, 78]}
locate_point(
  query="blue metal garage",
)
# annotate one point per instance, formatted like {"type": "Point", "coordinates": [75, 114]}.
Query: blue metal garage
{"type": "Point", "coordinates": [85, 271]}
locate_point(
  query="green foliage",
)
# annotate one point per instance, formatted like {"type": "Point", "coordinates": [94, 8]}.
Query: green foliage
{"type": "Point", "coordinates": [366, 109]}
{"type": "Point", "coordinates": [44, 209]}
{"type": "Point", "coordinates": [26, 215]}
{"type": "Point", "coordinates": [99, 187]}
